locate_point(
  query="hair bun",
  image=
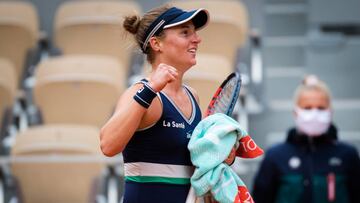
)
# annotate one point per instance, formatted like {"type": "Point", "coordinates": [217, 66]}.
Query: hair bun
{"type": "Point", "coordinates": [132, 23]}
{"type": "Point", "coordinates": [311, 80]}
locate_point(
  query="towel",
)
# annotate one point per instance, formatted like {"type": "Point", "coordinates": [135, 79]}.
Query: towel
{"type": "Point", "coordinates": [210, 144]}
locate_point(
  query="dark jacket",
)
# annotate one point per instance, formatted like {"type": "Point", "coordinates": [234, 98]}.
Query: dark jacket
{"type": "Point", "coordinates": [303, 169]}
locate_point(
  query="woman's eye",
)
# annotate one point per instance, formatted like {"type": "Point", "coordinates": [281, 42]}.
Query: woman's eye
{"type": "Point", "coordinates": [314, 107]}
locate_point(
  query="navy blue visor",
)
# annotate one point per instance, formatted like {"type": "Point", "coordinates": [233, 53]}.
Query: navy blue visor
{"type": "Point", "coordinates": [174, 17]}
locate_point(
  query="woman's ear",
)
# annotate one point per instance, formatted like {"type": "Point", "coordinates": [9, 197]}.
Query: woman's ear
{"type": "Point", "coordinates": [155, 44]}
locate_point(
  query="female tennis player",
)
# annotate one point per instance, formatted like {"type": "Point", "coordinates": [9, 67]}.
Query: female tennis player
{"type": "Point", "coordinates": [154, 118]}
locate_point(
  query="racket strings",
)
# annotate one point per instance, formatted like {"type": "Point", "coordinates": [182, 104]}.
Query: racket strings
{"type": "Point", "coordinates": [224, 100]}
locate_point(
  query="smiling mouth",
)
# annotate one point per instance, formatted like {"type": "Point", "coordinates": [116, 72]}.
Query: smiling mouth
{"type": "Point", "coordinates": [193, 51]}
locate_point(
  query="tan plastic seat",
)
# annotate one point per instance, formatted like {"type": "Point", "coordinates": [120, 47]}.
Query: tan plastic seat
{"type": "Point", "coordinates": [78, 89]}
{"type": "Point", "coordinates": [227, 28]}
{"type": "Point", "coordinates": [45, 167]}
{"type": "Point", "coordinates": [8, 86]}
{"type": "Point", "coordinates": [208, 63]}
{"type": "Point", "coordinates": [95, 27]}
{"type": "Point", "coordinates": [18, 32]}
{"type": "Point", "coordinates": [206, 76]}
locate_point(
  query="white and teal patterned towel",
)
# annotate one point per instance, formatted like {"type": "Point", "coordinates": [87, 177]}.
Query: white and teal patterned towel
{"type": "Point", "coordinates": [210, 144]}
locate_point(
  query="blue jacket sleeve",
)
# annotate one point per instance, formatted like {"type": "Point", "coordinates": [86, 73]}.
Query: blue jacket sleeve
{"type": "Point", "coordinates": [354, 176]}
{"type": "Point", "coordinates": [266, 181]}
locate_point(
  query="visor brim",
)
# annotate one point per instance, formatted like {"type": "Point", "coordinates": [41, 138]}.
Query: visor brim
{"type": "Point", "coordinates": [199, 17]}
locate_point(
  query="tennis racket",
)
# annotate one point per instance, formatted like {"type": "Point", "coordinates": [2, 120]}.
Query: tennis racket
{"type": "Point", "coordinates": [223, 101]}
{"type": "Point", "coordinates": [226, 95]}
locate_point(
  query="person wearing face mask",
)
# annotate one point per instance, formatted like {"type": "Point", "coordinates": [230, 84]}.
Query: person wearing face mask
{"type": "Point", "coordinates": [312, 165]}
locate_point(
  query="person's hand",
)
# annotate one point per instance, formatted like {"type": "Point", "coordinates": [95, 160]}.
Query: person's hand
{"type": "Point", "coordinates": [208, 198]}
{"type": "Point", "coordinates": [163, 75]}
{"type": "Point", "coordinates": [231, 158]}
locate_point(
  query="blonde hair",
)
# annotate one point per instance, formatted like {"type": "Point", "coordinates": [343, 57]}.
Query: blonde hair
{"type": "Point", "coordinates": [138, 26]}
{"type": "Point", "coordinates": [311, 82]}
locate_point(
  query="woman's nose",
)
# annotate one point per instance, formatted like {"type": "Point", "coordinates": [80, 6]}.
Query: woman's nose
{"type": "Point", "coordinates": [196, 38]}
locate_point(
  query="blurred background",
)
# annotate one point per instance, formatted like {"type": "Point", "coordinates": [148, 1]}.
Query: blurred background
{"type": "Point", "coordinates": [64, 63]}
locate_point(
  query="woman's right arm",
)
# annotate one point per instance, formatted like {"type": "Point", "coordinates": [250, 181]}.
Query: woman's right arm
{"type": "Point", "coordinates": [128, 116]}
{"type": "Point", "coordinates": [118, 130]}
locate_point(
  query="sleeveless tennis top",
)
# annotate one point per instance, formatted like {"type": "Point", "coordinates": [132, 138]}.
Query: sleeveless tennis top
{"type": "Point", "coordinates": [156, 159]}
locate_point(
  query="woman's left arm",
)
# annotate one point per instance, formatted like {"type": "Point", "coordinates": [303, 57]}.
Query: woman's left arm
{"type": "Point", "coordinates": [354, 176]}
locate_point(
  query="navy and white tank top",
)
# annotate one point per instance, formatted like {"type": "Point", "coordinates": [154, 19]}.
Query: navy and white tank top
{"type": "Point", "coordinates": [157, 159]}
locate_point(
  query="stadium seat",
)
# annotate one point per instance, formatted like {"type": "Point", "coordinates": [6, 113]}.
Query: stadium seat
{"type": "Point", "coordinates": [95, 27]}
{"type": "Point", "coordinates": [227, 29]}
{"type": "Point", "coordinates": [78, 89]}
{"type": "Point", "coordinates": [206, 76]}
{"type": "Point", "coordinates": [53, 163]}
{"type": "Point", "coordinates": [19, 32]}
{"type": "Point", "coordinates": [208, 63]}
{"type": "Point", "coordinates": [8, 87]}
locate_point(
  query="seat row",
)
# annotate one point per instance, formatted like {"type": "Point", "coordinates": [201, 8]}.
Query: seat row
{"type": "Point", "coordinates": [80, 27]}
{"type": "Point", "coordinates": [95, 28]}
{"type": "Point", "coordinates": [75, 95]}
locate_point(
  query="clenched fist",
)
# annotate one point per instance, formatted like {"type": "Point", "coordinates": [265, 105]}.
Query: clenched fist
{"type": "Point", "coordinates": [161, 76]}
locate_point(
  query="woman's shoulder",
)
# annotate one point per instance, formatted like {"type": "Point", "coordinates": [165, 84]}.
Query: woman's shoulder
{"type": "Point", "coordinates": [133, 88]}
{"type": "Point", "coordinates": [346, 147]}
{"type": "Point", "coordinates": [280, 150]}
{"type": "Point", "coordinates": [128, 94]}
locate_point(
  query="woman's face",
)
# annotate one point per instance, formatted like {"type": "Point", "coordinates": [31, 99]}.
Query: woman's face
{"type": "Point", "coordinates": [312, 114]}
{"type": "Point", "coordinates": [179, 45]}
{"type": "Point", "coordinates": [313, 99]}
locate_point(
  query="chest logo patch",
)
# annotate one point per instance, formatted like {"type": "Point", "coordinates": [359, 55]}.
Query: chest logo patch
{"type": "Point", "coordinates": [294, 162]}
{"type": "Point", "coordinates": [173, 124]}
{"type": "Point", "coordinates": [335, 161]}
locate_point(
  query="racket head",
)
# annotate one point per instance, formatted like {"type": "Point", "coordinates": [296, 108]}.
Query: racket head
{"type": "Point", "coordinates": [226, 95]}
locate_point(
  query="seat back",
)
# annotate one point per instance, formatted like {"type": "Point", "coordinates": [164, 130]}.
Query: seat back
{"type": "Point", "coordinates": [42, 166]}
{"type": "Point", "coordinates": [78, 89]}
{"type": "Point", "coordinates": [227, 28]}
{"type": "Point", "coordinates": [8, 86]}
{"type": "Point", "coordinates": [95, 27]}
{"type": "Point", "coordinates": [19, 32]}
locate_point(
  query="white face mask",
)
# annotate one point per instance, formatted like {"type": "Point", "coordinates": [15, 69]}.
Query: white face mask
{"type": "Point", "coordinates": [312, 122]}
